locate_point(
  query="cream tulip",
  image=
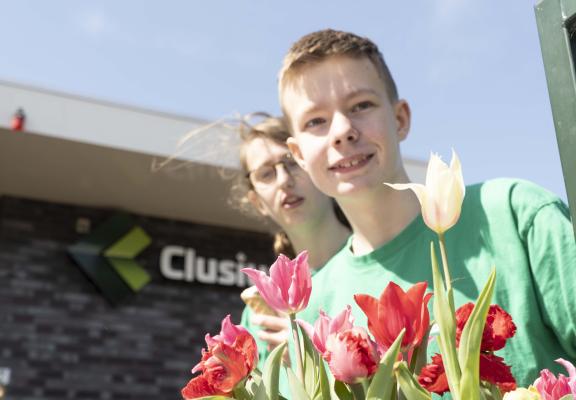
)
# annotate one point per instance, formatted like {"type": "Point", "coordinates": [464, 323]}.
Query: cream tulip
{"type": "Point", "coordinates": [523, 394]}
{"type": "Point", "coordinates": [441, 198]}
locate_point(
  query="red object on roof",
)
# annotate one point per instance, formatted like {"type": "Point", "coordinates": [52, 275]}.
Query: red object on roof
{"type": "Point", "coordinates": [18, 120]}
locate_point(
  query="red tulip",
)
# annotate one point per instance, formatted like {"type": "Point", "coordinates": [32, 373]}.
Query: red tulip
{"type": "Point", "coordinates": [499, 326]}
{"type": "Point", "coordinates": [492, 370]}
{"type": "Point", "coordinates": [229, 359]}
{"type": "Point", "coordinates": [433, 376]}
{"type": "Point", "coordinates": [397, 310]}
{"type": "Point", "coordinates": [199, 387]}
{"type": "Point", "coordinates": [325, 326]}
{"type": "Point", "coordinates": [229, 333]}
{"type": "Point", "coordinates": [287, 289]}
{"type": "Point", "coordinates": [351, 355]}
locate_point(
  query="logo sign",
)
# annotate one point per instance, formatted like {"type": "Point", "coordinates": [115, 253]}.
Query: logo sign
{"type": "Point", "coordinates": [107, 257]}
{"type": "Point", "coordinates": [186, 264]}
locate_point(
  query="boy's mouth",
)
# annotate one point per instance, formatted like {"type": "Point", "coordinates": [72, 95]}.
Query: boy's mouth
{"type": "Point", "coordinates": [351, 163]}
{"type": "Point", "coordinates": [292, 201]}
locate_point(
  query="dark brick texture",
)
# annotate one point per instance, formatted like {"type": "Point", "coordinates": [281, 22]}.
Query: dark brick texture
{"type": "Point", "coordinates": [63, 340]}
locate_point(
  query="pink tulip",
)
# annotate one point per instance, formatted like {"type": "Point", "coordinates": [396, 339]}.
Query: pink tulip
{"type": "Point", "coordinates": [571, 373]}
{"type": "Point", "coordinates": [287, 289]}
{"type": "Point", "coordinates": [351, 355]}
{"type": "Point", "coordinates": [441, 198]}
{"type": "Point", "coordinates": [325, 326]}
{"type": "Point", "coordinates": [552, 388]}
{"type": "Point", "coordinates": [228, 333]}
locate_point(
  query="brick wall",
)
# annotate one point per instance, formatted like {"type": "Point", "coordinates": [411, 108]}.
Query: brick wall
{"type": "Point", "coordinates": [63, 340]}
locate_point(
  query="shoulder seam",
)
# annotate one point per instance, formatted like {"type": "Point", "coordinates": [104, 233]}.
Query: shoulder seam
{"type": "Point", "coordinates": [530, 223]}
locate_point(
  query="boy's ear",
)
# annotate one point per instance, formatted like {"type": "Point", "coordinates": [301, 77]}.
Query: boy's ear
{"type": "Point", "coordinates": [256, 203]}
{"type": "Point", "coordinates": [294, 148]}
{"type": "Point", "coordinates": [403, 118]}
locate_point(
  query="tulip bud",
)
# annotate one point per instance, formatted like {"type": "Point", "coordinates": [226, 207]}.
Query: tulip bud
{"type": "Point", "coordinates": [288, 288]}
{"type": "Point", "coordinates": [523, 394]}
{"type": "Point", "coordinates": [442, 196]}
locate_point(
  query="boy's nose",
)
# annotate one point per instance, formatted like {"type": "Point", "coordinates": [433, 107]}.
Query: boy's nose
{"type": "Point", "coordinates": [342, 130]}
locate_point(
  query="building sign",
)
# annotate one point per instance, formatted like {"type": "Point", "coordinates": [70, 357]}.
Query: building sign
{"type": "Point", "coordinates": [186, 264]}
{"type": "Point", "coordinates": [107, 255]}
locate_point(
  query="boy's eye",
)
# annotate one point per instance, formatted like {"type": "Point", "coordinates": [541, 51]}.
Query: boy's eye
{"type": "Point", "coordinates": [314, 122]}
{"type": "Point", "coordinates": [362, 106]}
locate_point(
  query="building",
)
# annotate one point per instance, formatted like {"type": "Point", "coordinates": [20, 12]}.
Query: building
{"type": "Point", "coordinates": [113, 270]}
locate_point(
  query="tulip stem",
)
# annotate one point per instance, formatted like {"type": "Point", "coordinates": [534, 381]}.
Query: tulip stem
{"type": "Point", "coordinates": [447, 278]}
{"type": "Point", "coordinates": [365, 385]}
{"type": "Point", "coordinates": [297, 347]}
{"type": "Point", "coordinates": [357, 391]}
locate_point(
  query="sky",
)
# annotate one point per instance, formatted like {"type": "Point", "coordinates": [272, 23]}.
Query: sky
{"type": "Point", "coordinates": [471, 70]}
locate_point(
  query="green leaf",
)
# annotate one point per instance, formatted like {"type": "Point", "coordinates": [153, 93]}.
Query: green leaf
{"type": "Point", "coordinates": [447, 325]}
{"type": "Point", "coordinates": [240, 393]}
{"type": "Point", "coordinates": [260, 392]}
{"type": "Point", "coordinates": [471, 341]}
{"type": "Point", "coordinates": [256, 374]}
{"type": "Point", "coordinates": [342, 391]}
{"type": "Point", "coordinates": [324, 391]}
{"type": "Point", "coordinates": [409, 385]}
{"type": "Point", "coordinates": [489, 391]}
{"type": "Point", "coordinates": [271, 373]}
{"type": "Point", "coordinates": [420, 353]}
{"type": "Point", "coordinates": [383, 382]}
{"type": "Point", "coordinates": [252, 387]}
{"type": "Point", "coordinates": [315, 377]}
{"type": "Point", "coordinates": [296, 387]}
{"type": "Point", "coordinates": [567, 397]}
{"type": "Point", "coordinates": [311, 361]}
{"type": "Point", "coordinates": [253, 383]}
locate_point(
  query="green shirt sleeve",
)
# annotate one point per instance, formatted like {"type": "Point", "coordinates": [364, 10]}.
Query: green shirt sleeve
{"type": "Point", "coordinates": [551, 249]}
{"type": "Point", "coordinates": [545, 227]}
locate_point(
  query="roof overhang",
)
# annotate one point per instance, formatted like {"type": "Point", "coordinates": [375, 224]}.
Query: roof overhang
{"type": "Point", "coordinates": [85, 152]}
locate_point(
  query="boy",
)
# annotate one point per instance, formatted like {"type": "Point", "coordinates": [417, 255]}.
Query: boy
{"type": "Point", "coordinates": [347, 121]}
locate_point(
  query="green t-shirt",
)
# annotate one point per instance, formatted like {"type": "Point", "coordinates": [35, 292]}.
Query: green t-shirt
{"type": "Point", "coordinates": [514, 225]}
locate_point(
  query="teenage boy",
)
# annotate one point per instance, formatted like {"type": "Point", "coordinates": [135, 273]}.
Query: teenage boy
{"type": "Point", "coordinates": [347, 122]}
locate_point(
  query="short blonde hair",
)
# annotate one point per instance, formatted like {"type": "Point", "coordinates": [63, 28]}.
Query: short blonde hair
{"type": "Point", "coordinates": [318, 46]}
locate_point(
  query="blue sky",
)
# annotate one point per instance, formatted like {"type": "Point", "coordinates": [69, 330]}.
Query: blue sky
{"type": "Point", "coordinates": [472, 70]}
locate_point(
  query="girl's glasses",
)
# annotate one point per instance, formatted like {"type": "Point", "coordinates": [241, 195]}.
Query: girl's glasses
{"type": "Point", "coordinates": [267, 174]}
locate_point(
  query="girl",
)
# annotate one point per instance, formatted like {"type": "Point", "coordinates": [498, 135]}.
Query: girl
{"type": "Point", "coordinates": [274, 186]}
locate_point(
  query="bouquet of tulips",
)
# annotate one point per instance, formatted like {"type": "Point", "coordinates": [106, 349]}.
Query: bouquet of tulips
{"type": "Point", "coordinates": [387, 361]}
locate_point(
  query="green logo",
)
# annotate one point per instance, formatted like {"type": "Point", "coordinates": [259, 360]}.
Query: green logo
{"type": "Point", "coordinates": [107, 257]}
